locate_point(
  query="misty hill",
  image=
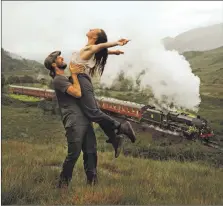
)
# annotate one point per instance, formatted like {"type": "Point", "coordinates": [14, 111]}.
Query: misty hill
{"type": "Point", "coordinates": [12, 63]}
{"type": "Point", "coordinates": [199, 39]}
{"type": "Point", "coordinates": [208, 65]}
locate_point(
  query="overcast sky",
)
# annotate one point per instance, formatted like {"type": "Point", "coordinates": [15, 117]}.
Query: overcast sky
{"type": "Point", "coordinates": [40, 27]}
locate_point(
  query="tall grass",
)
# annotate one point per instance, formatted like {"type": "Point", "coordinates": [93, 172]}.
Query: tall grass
{"type": "Point", "coordinates": [33, 150]}
{"type": "Point", "coordinates": [30, 172]}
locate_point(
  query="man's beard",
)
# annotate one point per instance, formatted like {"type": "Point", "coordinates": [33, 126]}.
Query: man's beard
{"type": "Point", "coordinates": [63, 67]}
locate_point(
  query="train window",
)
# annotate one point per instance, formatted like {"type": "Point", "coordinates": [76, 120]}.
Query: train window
{"type": "Point", "coordinates": [152, 116]}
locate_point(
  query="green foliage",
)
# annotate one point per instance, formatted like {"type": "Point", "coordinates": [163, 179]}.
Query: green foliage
{"type": "Point", "coordinates": [24, 98]}
{"type": "Point", "coordinates": [13, 80]}
{"type": "Point", "coordinates": [123, 83]}
{"type": "Point", "coordinates": [21, 79]}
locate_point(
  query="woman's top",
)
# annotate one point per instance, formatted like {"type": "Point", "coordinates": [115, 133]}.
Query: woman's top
{"type": "Point", "coordinates": [88, 64]}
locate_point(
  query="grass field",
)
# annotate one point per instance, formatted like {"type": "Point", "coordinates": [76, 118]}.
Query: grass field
{"type": "Point", "coordinates": [33, 150]}
{"type": "Point", "coordinates": [25, 98]}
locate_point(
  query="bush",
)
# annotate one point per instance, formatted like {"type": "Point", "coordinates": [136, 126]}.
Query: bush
{"type": "Point", "coordinates": [23, 79]}
{"type": "Point", "coordinates": [13, 79]}
{"type": "Point", "coordinates": [27, 79]}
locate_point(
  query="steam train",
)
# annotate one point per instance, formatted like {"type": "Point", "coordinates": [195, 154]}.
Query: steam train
{"type": "Point", "coordinates": [187, 125]}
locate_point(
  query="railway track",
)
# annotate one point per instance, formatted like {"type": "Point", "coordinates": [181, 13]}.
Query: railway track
{"type": "Point", "coordinates": [157, 131]}
{"type": "Point", "coordinates": [214, 145]}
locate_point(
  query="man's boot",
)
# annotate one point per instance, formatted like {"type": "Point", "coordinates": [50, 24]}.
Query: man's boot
{"type": "Point", "coordinates": [92, 179]}
{"type": "Point", "coordinates": [63, 183]}
{"type": "Point", "coordinates": [117, 144]}
{"type": "Point", "coordinates": [126, 128]}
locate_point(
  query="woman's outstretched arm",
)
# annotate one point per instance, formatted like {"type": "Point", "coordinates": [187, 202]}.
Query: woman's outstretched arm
{"type": "Point", "coordinates": [92, 49]}
{"type": "Point", "coordinates": [96, 48]}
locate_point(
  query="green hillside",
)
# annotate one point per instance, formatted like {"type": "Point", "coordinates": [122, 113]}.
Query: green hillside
{"type": "Point", "coordinates": [19, 67]}
{"type": "Point", "coordinates": [207, 65]}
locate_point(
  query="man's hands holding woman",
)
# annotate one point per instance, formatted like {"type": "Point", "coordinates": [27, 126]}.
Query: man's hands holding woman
{"type": "Point", "coordinates": [76, 68]}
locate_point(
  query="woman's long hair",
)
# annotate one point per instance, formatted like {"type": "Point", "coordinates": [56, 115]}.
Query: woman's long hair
{"type": "Point", "coordinates": [101, 56]}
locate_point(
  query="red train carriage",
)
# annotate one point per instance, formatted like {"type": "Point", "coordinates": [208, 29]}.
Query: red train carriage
{"type": "Point", "coordinates": [40, 93]}
{"type": "Point", "coordinates": [31, 91]}
{"type": "Point", "coordinates": [49, 94]}
{"type": "Point", "coordinates": [15, 89]}
{"type": "Point", "coordinates": [125, 108]}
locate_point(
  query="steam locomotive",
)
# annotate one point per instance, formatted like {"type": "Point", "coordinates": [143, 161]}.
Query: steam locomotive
{"type": "Point", "coordinates": [187, 125]}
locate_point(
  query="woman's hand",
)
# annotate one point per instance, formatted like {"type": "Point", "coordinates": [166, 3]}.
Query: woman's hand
{"type": "Point", "coordinates": [122, 42]}
{"type": "Point", "coordinates": [76, 68]}
{"type": "Point", "coordinates": [117, 52]}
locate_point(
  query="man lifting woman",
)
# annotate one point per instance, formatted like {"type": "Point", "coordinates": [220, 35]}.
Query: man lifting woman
{"type": "Point", "coordinates": [78, 105]}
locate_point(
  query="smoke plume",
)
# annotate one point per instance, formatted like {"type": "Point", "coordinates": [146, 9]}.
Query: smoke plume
{"type": "Point", "coordinates": [167, 73]}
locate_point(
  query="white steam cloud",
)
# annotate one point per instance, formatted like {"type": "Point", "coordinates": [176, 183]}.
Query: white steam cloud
{"type": "Point", "coordinates": [167, 73]}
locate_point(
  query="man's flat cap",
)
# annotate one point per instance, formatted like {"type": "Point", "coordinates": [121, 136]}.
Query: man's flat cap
{"type": "Point", "coordinates": [51, 59]}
